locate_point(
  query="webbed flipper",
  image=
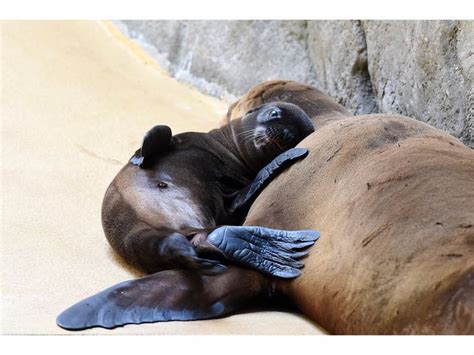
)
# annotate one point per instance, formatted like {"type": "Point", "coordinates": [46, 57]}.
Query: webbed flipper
{"type": "Point", "coordinates": [166, 296]}
{"type": "Point", "coordinates": [271, 251]}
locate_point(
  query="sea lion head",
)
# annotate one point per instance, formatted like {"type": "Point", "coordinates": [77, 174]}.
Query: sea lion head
{"type": "Point", "coordinates": [268, 130]}
{"type": "Point", "coordinates": [321, 108]}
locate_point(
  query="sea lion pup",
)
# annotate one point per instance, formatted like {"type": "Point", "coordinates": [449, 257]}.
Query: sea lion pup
{"type": "Point", "coordinates": [170, 207]}
{"type": "Point", "coordinates": [394, 201]}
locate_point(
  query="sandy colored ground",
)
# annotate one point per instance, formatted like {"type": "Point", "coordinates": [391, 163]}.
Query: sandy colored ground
{"type": "Point", "coordinates": [75, 100]}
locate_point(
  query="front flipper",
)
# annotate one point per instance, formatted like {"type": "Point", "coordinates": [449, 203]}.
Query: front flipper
{"type": "Point", "coordinates": [156, 140]}
{"type": "Point", "coordinates": [166, 296]}
{"type": "Point", "coordinates": [245, 197]}
{"type": "Point", "coordinates": [178, 252]}
{"type": "Point", "coordinates": [153, 250]}
{"type": "Point", "coordinates": [271, 251]}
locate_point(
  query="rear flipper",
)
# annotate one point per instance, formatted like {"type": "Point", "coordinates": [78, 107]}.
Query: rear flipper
{"type": "Point", "coordinates": [165, 296]}
{"type": "Point", "coordinates": [271, 251]}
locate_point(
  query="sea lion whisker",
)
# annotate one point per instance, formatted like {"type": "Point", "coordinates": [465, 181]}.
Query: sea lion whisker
{"type": "Point", "coordinates": [247, 139]}
{"type": "Point", "coordinates": [260, 138]}
{"type": "Point", "coordinates": [246, 132]}
{"type": "Point", "coordinates": [246, 136]}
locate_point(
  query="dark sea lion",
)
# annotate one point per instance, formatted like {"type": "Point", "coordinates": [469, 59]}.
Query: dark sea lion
{"type": "Point", "coordinates": [394, 201]}
{"type": "Point", "coordinates": [176, 204]}
{"type": "Point", "coordinates": [157, 215]}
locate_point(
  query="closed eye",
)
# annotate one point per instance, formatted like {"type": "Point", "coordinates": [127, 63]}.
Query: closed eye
{"type": "Point", "coordinates": [274, 114]}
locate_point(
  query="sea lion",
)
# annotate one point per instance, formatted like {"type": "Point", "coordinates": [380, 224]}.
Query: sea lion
{"type": "Point", "coordinates": [394, 200]}
{"type": "Point", "coordinates": [176, 205]}
{"type": "Point", "coordinates": [160, 208]}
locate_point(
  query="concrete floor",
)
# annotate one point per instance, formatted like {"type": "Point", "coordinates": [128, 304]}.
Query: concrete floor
{"type": "Point", "coordinates": [76, 98]}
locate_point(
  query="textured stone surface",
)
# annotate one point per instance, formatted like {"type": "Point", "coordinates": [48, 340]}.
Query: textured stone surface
{"type": "Point", "coordinates": [226, 58]}
{"type": "Point", "coordinates": [339, 55]}
{"type": "Point", "coordinates": [422, 69]}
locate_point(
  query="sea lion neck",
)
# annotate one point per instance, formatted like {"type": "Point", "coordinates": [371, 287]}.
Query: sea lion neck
{"type": "Point", "coordinates": [235, 139]}
{"type": "Point", "coordinates": [227, 138]}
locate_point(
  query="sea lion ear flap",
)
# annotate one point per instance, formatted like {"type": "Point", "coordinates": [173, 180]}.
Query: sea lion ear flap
{"type": "Point", "coordinates": [156, 140]}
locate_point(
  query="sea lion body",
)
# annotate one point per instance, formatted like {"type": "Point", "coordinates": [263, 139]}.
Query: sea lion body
{"type": "Point", "coordinates": [394, 201]}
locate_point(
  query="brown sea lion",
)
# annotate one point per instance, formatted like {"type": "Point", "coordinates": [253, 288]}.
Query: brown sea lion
{"type": "Point", "coordinates": [177, 205]}
{"type": "Point", "coordinates": [394, 201]}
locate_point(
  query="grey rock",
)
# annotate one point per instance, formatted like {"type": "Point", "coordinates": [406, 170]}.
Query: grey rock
{"type": "Point", "coordinates": [423, 69]}
{"type": "Point", "coordinates": [339, 55]}
{"type": "Point", "coordinates": [226, 58]}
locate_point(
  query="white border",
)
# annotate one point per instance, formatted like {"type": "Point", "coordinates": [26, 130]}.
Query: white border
{"type": "Point", "coordinates": [227, 345]}
{"type": "Point", "coordinates": [212, 9]}
{"type": "Point", "coordinates": [235, 9]}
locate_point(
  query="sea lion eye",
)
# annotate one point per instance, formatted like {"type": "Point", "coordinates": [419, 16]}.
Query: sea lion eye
{"type": "Point", "coordinates": [162, 185]}
{"type": "Point", "coordinates": [274, 114]}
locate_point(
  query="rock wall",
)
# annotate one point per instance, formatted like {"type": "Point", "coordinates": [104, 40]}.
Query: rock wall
{"type": "Point", "coordinates": [422, 69]}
